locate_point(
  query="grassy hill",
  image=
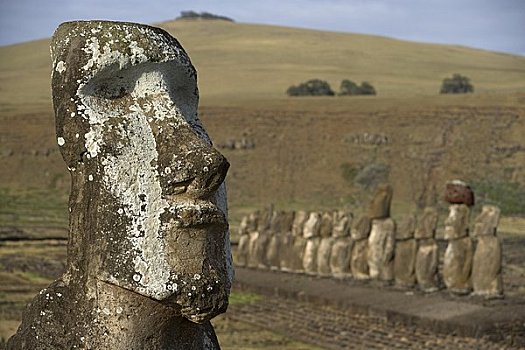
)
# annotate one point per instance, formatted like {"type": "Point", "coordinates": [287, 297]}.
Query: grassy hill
{"type": "Point", "coordinates": [308, 150]}
{"type": "Point", "coordinates": [244, 61]}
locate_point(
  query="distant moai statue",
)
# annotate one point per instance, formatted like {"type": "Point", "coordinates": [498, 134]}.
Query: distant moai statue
{"type": "Point", "coordinates": [260, 240]}
{"type": "Point", "coordinates": [406, 251]}
{"type": "Point", "coordinates": [149, 261]}
{"type": "Point", "coordinates": [427, 258]}
{"type": "Point", "coordinates": [486, 265]}
{"type": "Point", "coordinates": [246, 227]}
{"type": "Point", "coordinates": [299, 241]}
{"type": "Point", "coordinates": [325, 244]}
{"type": "Point", "coordinates": [359, 259]}
{"type": "Point", "coordinates": [457, 263]}
{"type": "Point", "coordinates": [279, 244]}
{"type": "Point", "coordinates": [382, 235]}
{"type": "Point", "coordinates": [311, 233]}
{"type": "Point", "coordinates": [341, 254]}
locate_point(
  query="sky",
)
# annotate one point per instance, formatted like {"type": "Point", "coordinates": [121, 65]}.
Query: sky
{"type": "Point", "coordinates": [496, 25]}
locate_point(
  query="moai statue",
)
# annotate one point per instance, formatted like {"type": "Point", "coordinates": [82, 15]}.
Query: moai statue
{"type": "Point", "coordinates": [406, 250]}
{"type": "Point", "coordinates": [261, 240]}
{"type": "Point", "coordinates": [253, 232]}
{"type": "Point", "coordinates": [457, 263]}
{"type": "Point", "coordinates": [325, 245]}
{"type": "Point", "coordinates": [379, 207]}
{"type": "Point", "coordinates": [299, 241]}
{"type": "Point", "coordinates": [486, 266]}
{"type": "Point", "coordinates": [342, 247]}
{"type": "Point", "coordinates": [381, 249]}
{"type": "Point", "coordinates": [286, 241]}
{"type": "Point", "coordinates": [311, 233]}
{"type": "Point", "coordinates": [241, 256]}
{"type": "Point", "coordinates": [359, 259]}
{"type": "Point", "coordinates": [149, 261]}
{"type": "Point", "coordinates": [427, 258]}
{"type": "Point", "coordinates": [280, 225]}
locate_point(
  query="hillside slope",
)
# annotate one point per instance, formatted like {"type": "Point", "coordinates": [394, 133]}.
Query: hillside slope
{"type": "Point", "coordinates": [245, 61]}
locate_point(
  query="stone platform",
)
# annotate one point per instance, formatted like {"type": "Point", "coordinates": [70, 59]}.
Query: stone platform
{"type": "Point", "coordinates": [500, 320]}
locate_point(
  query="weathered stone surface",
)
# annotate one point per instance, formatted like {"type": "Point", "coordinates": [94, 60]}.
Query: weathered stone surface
{"type": "Point", "coordinates": [286, 255]}
{"type": "Point", "coordinates": [457, 265]}
{"type": "Point", "coordinates": [243, 226]}
{"type": "Point", "coordinates": [298, 250]}
{"type": "Point", "coordinates": [379, 207]}
{"type": "Point", "coordinates": [260, 246]}
{"type": "Point", "coordinates": [486, 267]}
{"type": "Point", "coordinates": [405, 262]}
{"type": "Point", "coordinates": [456, 224]}
{"type": "Point", "coordinates": [427, 260]}
{"type": "Point", "coordinates": [426, 226]}
{"type": "Point", "coordinates": [458, 192]}
{"type": "Point", "coordinates": [361, 228]}
{"type": "Point", "coordinates": [273, 250]}
{"type": "Point", "coordinates": [145, 182]}
{"type": "Point", "coordinates": [342, 224]}
{"type": "Point", "coordinates": [359, 259]}
{"type": "Point", "coordinates": [252, 246]}
{"type": "Point", "coordinates": [381, 249]}
{"type": "Point", "coordinates": [340, 257]}
{"type": "Point", "coordinates": [310, 255]}
{"type": "Point", "coordinates": [486, 223]}
{"type": "Point", "coordinates": [265, 219]}
{"type": "Point", "coordinates": [323, 256]}
{"type": "Point", "coordinates": [312, 225]}
{"type": "Point", "coordinates": [252, 223]}
{"type": "Point", "coordinates": [406, 227]}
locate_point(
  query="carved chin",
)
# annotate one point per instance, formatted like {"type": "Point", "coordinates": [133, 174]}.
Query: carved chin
{"type": "Point", "coordinates": [201, 301]}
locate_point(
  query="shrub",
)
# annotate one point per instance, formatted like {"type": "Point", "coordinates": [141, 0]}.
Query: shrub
{"type": "Point", "coordinates": [313, 87]}
{"type": "Point", "coordinates": [458, 84]}
{"type": "Point", "coordinates": [202, 15]}
{"type": "Point", "coordinates": [348, 172]}
{"type": "Point", "coordinates": [372, 175]}
{"type": "Point", "coordinates": [509, 196]}
{"type": "Point", "coordinates": [348, 87]}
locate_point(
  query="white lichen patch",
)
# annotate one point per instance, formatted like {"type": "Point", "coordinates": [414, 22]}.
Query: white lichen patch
{"type": "Point", "coordinates": [61, 141]}
{"type": "Point", "coordinates": [60, 67]}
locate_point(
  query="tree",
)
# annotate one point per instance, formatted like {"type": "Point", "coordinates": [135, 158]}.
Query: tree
{"type": "Point", "coordinates": [348, 87]}
{"type": "Point", "coordinates": [458, 84]}
{"type": "Point", "coordinates": [313, 87]}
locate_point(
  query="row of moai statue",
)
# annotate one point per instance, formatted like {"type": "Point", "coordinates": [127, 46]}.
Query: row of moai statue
{"type": "Point", "coordinates": [373, 246]}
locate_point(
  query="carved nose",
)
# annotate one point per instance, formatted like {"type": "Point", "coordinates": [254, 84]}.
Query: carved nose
{"type": "Point", "coordinates": [211, 171]}
{"type": "Point", "coordinates": [196, 173]}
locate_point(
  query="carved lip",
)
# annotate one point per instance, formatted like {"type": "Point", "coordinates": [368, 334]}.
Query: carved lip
{"type": "Point", "coordinates": [197, 214]}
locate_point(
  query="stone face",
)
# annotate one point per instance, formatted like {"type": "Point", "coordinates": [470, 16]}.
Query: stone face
{"type": "Point", "coordinates": [426, 226]}
{"type": "Point", "coordinates": [379, 207]}
{"type": "Point", "coordinates": [361, 228]}
{"type": "Point", "coordinates": [456, 224]}
{"type": "Point", "coordinates": [458, 192]}
{"type": "Point", "coordinates": [312, 225]}
{"type": "Point", "coordinates": [426, 267]}
{"type": "Point", "coordinates": [342, 223]}
{"type": "Point", "coordinates": [486, 223]}
{"type": "Point", "coordinates": [359, 259]}
{"type": "Point", "coordinates": [298, 222]}
{"type": "Point", "coordinates": [381, 249]}
{"type": "Point", "coordinates": [457, 265]}
{"type": "Point", "coordinates": [298, 250]}
{"type": "Point", "coordinates": [406, 227]}
{"type": "Point", "coordinates": [340, 257]}
{"type": "Point", "coordinates": [486, 267]}
{"type": "Point", "coordinates": [325, 229]}
{"type": "Point", "coordinates": [405, 262]}
{"type": "Point", "coordinates": [273, 251]}
{"type": "Point", "coordinates": [145, 182]}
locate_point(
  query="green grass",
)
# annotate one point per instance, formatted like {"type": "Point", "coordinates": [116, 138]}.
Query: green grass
{"type": "Point", "coordinates": [243, 298]}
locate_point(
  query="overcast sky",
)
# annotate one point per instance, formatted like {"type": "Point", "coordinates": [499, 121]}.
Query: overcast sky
{"type": "Point", "coordinates": [497, 25]}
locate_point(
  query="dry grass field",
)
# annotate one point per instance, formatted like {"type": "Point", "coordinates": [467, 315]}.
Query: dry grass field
{"type": "Point", "coordinates": [310, 153]}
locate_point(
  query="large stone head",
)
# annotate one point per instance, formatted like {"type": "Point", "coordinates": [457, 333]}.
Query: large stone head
{"type": "Point", "coordinates": [148, 202]}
